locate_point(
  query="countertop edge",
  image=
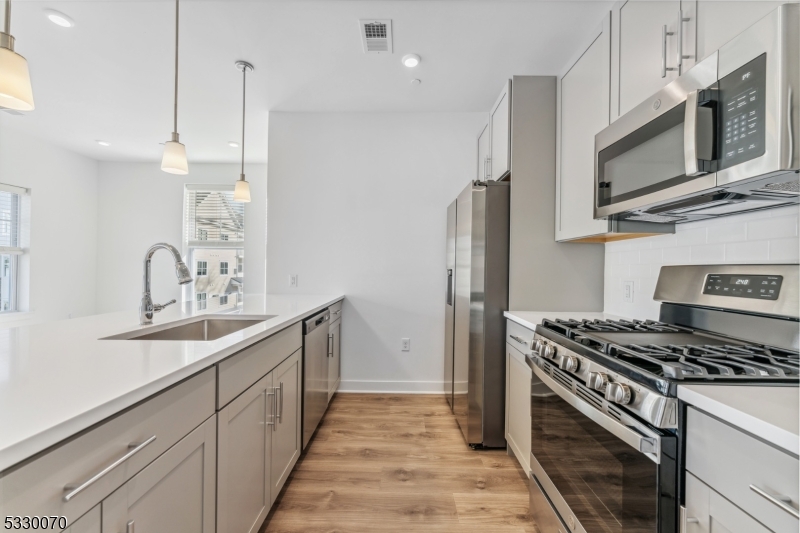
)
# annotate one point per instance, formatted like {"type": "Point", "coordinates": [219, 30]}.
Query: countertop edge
{"type": "Point", "coordinates": [40, 442]}
{"type": "Point", "coordinates": [766, 431]}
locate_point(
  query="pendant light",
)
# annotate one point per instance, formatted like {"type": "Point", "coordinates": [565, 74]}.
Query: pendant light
{"type": "Point", "coordinates": [174, 160]}
{"type": "Point", "coordinates": [241, 193]}
{"type": "Point", "coordinates": [15, 80]}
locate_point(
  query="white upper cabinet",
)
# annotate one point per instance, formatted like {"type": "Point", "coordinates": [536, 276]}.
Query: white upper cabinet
{"type": "Point", "coordinates": [483, 153]}
{"type": "Point", "coordinates": [719, 22]}
{"type": "Point", "coordinates": [583, 110]}
{"type": "Point", "coordinates": [653, 43]}
{"type": "Point", "coordinates": [500, 121]}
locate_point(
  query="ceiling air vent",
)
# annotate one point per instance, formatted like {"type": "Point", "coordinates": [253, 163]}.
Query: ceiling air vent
{"type": "Point", "coordinates": [376, 36]}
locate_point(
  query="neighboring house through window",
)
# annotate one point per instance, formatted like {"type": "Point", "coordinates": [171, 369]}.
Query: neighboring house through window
{"type": "Point", "coordinates": [201, 301]}
{"type": "Point", "coordinates": [12, 250]}
{"type": "Point", "coordinates": [214, 241]}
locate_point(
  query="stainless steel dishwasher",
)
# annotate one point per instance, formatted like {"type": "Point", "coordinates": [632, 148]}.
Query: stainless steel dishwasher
{"type": "Point", "coordinates": [315, 372]}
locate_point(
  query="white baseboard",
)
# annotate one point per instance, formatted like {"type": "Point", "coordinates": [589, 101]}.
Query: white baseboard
{"type": "Point", "coordinates": [404, 387]}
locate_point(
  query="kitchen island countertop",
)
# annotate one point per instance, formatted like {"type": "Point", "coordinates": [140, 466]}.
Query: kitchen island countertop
{"type": "Point", "coordinates": [59, 378]}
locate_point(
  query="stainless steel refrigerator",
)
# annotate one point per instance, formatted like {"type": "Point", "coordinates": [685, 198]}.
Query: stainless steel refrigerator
{"type": "Point", "coordinates": [477, 379]}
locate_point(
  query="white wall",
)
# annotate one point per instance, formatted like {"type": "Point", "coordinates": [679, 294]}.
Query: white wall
{"type": "Point", "coordinates": [761, 237]}
{"type": "Point", "coordinates": [138, 205]}
{"type": "Point", "coordinates": [63, 231]}
{"type": "Point", "coordinates": [357, 204]}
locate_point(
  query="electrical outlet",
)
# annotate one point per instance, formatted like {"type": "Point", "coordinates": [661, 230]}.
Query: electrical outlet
{"type": "Point", "coordinates": [293, 280]}
{"type": "Point", "coordinates": [405, 344]}
{"type": "Point", "coordinates": [627, 291]}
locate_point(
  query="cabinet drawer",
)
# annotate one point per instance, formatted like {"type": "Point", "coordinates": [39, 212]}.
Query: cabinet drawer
{"type": "Point", "coordinates": [336, 310]}
{"type": "Point", "coordinates": [37, 488]}
{"type": "Point", "coordinates": [238, 372]}
{"type": "Point", "coordinates": [730, 461]}
{"type": "Point", "coordinates": [519, 337]}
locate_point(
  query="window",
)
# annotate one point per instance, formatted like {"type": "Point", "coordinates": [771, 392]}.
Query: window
{"type": "Point", "coordinates": [201, 301]}
{"type": "Point", "coordinates": [223, 237]}
{"type": "Point", "coordinates": [11, 248]}
{"type": "Point", "coordinates": [202, 268]}
{"type": "Point", "coordinates": [223, 268]}
{"type": "Point", "coordinates": [202, 235]}
{"type": "Point", "coordinates": [223, 299]}
{"type": "Point", "coordinates": [239, 264]}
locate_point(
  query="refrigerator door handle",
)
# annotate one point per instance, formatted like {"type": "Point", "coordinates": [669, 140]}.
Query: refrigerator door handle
{"type": "Point", "coordinates": [450, 287]}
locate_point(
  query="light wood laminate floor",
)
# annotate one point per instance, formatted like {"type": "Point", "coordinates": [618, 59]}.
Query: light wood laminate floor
{"type": "Point", "coordinates": [397, 463]}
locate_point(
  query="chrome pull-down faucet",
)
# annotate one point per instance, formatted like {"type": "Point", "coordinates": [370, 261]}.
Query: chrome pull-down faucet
{"type": "Point", "coordinates": [147, 308]}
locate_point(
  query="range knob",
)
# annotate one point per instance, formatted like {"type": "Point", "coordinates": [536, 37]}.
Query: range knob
{"type": "Point", "coordinates": [569, 363]}
{"type": "Point", "coordinates": [618, 393]}
{"type": "Point", "coordinates": [536, 345]}
{"type": "Point", "coordinates": [548, 351]}
{"type": "Point", "coordinates": [597, 381]}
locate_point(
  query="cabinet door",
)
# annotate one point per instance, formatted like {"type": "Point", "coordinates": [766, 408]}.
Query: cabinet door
{"type": "Point", "coordinates": [174, 494]}
{"type": "Point", "coordinates": [500, 145]}
{"type": "Point", "coordinates": [708, 512]}
{"type": "Point", "coordinates": [719, 22]}
{"type": "Point", "coordinates": [483, 153]}
{"type": "Point", "coordinates": [88, 523]}
{"type": "Point", "coordinates": [642, 52]}
{"type": "Point", "coordinates": [334, 362]}
{"type": "Point", "coordinates": [583, 109]}
{"type": "Point", "coordinates": [245, 451]}
{"type": "Point", "coordinates": [286, 438]}
{"type": "Point", "coordinates": [518, 406]}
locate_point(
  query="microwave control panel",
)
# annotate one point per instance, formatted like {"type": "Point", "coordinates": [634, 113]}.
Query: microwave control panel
{"type": "Point", "coordinates": [744, 286]}
{"type": "Point", "coordinates": [741, 113]}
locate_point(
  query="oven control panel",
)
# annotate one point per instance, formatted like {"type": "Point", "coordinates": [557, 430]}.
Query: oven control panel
{"type": "Point", "coordinates": [743, 286]}
{"type": "Point", "coordinates": [742, 113]}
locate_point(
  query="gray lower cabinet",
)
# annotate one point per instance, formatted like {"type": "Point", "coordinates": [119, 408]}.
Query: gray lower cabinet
{"type": "Point", "coordinates": [287, 440]}
{"type": "Point", "coordinates": [173, 494]}
{"type": "Point", "coordinates": [707, 511]}
{"type": "Point", "coordinates": [334, 361]}
{"type": "Point", "coordinates": [259, 443]}
{"type": "Point", "coordinates": [88, 523]}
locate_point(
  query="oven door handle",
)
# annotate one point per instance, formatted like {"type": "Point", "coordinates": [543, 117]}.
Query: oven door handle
{"type": "Point", "coordinates": [648, 445]}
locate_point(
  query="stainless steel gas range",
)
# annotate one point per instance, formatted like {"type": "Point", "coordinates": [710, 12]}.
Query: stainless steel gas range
{"type": "Point", "coordinates": [607, 432]}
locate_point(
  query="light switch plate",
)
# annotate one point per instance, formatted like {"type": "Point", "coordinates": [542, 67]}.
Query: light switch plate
{"type": "Point", "coordinates": [405, 343]}
{"type": "Point", "coordinates": [293, 280]}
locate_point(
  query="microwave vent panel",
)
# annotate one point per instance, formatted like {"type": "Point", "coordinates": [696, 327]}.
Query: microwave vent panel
{"type": "Point", "coordinates": [787, 187]}
{"type": "Point", "coordinates": [660, 219]}
{"type": "Point", "coordinates": [376, 35]}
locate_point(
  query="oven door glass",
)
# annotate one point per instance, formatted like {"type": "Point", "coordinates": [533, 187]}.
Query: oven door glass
{"type": "Point", "coordinates": [609, 486]}
{"type": "Point", "coordinates": [647, 160]}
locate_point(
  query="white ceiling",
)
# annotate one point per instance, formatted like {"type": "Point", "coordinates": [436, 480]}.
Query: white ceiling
{"type": "Point", "coordinates": [110, 77]}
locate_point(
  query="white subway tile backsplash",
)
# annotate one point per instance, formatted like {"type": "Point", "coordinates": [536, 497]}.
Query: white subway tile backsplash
{"type": "Point", "coordinates": [785, 250]}
{"type": "Point", "coordinates": [728, 233]}
{"type": "Point", "coordinates": [747, 252]}
{"type": "Point", "coordinates": [759, 237]}
{"type": "Point", "coordinates": [772, 228]}
{"type": "Point", "coordinates": [708, 254]}
{"type": "Point", "coordinates": [690, 236]}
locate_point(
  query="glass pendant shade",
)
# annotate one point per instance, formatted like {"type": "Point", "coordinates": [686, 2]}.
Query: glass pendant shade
{"type": "Point", "coordinates": [241, 192]}
{"type": "Point", "coordinates": [174, 160]}
{"type": "Point", "coordinates": [15, 81]}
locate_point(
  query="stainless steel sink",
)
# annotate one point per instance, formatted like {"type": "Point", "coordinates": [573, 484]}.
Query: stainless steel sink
{"type": "Point", "coordinates": [201, 329]}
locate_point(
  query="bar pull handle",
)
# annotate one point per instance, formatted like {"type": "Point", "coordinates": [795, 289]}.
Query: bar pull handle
{"type": "Point", "coordinates": [330, 345]}
{"type": "Point", "coordinates": [450, 286]}
{"type": "Point", "coordinates": [280, 411]}
{"type": "Point", "coordinates": [272, 410]}
{"type": "Point", "coordinates": [75, 489]}
{"type": "Point", "coordinates": [519, 340]}
{"type": "Point", "coordinates": [664, 34]}
{"type": "Point", "coordinates": [685, 520]}
{"type": "Point", "coordinates": [681, 55]}
{"type": "Point", "coordinates": [784, 502]}
{"type": "Point", "coordinates": [130, 527]}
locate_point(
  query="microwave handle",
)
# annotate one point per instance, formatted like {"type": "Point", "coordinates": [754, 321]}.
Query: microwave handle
{"type": "Point", "coordinates": [690, 126]}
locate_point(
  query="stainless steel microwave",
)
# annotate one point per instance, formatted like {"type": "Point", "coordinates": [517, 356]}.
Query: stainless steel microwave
{"type": "Point", "coordinates": [720, 139]}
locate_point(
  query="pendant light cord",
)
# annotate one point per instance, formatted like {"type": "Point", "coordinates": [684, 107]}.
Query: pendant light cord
{"type": "Point", "coordinates": [7, 20]}
{"type": "Point", "coordinates": [175, 115]}
{"type": "Point", "coordinates": [244, 93]}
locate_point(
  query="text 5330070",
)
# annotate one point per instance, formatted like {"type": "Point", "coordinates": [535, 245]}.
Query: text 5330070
{"type": "Point", "coordinates": [36, 522]}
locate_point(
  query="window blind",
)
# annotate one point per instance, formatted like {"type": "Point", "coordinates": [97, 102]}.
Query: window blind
{"type": "Point", "coordinates": [9, 222]}
{"type": "Point", "coordinates": [213, 218]}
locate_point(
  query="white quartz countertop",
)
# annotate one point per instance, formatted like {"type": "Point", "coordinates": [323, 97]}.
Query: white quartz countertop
{"type": "Point", "coordinates": [59, 378]}
{"type": "Point", "coordinates": [770, 413]}
{"type": "Point", "coordinates": [531, 319]}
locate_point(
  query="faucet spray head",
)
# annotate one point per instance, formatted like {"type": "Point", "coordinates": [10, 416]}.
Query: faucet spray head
{"type": "Point", "coordinates": [182, 271]}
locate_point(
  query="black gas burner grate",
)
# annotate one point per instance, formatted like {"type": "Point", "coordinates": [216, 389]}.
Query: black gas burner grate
{"type": "Point", "coordinates": [709, 358]}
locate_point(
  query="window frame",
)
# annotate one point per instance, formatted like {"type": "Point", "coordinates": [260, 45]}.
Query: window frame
{"type": "Point", "coordinates": [201, 301]}
{"type": "Point", "coordinates": [205, 268]}
{"type": "Point", "coordinates": [225, 273]}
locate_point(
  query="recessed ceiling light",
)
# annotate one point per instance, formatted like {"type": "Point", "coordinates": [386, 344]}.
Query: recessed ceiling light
{"type": "Point", "coordinates": [416, 82]}
{"type": "Point", "coordinates": [411, 60]}
{"type": "Point", "coordinates": [59, 18]}
{"type": "Point", "coordinates": [233, 144]}
{"type": "Point", "coordinates": [104, 143]}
